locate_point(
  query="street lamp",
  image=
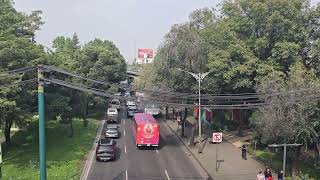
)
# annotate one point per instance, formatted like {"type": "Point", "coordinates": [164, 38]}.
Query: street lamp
{"type": "Point", "coordinates": [199, 77]}
{"type": "Point", "coordinates": [284, 154]}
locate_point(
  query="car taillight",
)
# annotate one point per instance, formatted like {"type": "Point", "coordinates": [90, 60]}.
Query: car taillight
{"type": "Point", "coordinates": [138, 129]}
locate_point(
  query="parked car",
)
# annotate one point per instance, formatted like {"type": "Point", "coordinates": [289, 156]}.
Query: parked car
{"type": "Point", "coordinates": [115, 103]}
{"type": "Point", "coordinates": [106, 150]}
{"type": "Point", "coordinates": [112, 131]}
{"type": "Point", "coordinates": [112, 115]}
{"type": "Point", "coordinates": [152, 109]}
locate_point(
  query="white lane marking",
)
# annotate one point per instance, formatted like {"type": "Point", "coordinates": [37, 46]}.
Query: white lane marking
{"type": "Point", "coordinates": [88, 165]}
{"type": "Point", "coordinates": [124, 132]}
{"type": "Point", "coordinates": [126, 174]}
{"type": "Point", "coordinates": [165, 171]}
{"type": "Point", "coordinates": [157, 151]}
{"type": "Point", "coordinates": [125, 149]}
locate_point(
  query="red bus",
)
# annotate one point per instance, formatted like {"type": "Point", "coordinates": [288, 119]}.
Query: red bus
{"type": "Point", "coordinates": [146, 130]}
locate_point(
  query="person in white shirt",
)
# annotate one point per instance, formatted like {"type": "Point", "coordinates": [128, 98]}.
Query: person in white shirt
{"type": "Point", "coordinates": [260, 176]}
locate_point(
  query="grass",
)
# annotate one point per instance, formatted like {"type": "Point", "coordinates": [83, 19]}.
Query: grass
{"type": "Point", "coordinates": [65, 154]}
{"type": "Point", "coordinates": [274, 160]}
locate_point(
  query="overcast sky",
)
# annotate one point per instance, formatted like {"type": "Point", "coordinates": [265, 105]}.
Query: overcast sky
{"type": "Point", "coordinates": [130, 24]}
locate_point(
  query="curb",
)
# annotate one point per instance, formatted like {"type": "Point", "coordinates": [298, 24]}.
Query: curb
{"type": "Point", "coordinates": [208, 177]}
{"type": "Point", "coordinates": [87, 166]}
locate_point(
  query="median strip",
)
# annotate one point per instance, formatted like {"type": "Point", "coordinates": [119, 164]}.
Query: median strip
{"type": "Point", "coordinates": [126, 174]}
{"type": "Point", "coordinates": [88, 164]}
{"type": "Point", "coordinates": [165, 171]}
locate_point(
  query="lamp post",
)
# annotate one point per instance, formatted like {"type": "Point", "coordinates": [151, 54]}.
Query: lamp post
{"type": "Point", "coordinates": [199, 77]}
{"type": "Point", "coordinates": [284, 154]}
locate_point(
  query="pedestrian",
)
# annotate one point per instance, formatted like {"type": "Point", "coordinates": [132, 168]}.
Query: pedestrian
{"type": "Point", "coordinates": [270, 176]}
{"type": "Point", "coordinates": [244, 152]}
{"type": "Point", "coordinates": [260, 176]}
{"type": "Point", "coordinates": [266, 173]}
{"type": "Point", "coordinates": [280, 175]}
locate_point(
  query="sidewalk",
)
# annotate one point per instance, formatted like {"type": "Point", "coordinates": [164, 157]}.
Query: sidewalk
{"type": "Point", "coordinates": [221, 161]}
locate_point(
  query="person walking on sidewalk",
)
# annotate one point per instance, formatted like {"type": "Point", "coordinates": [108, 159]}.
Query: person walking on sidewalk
{"type": "Point", "coordinates": [260, 176]}
{"type": "Point", "coordinates": [280, 175]}
{"type": "Point", "coordinates": [244, 152]}
{"type": "Point", "coordinates": [268, 174]}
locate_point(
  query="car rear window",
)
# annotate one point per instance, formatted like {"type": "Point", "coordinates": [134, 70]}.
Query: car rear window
{"type": "Point", "coordinates": [105, 141]}
{"type": "Point", "coordinates": [112, 110]}
{"type": "Point", "coordinates": [111, 129]}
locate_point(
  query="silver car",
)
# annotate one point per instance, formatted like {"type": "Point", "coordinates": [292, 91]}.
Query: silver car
{"type": "Point", "coordinates": [152, 109]}
{"type": "Point", "coordinates": [112, 131]}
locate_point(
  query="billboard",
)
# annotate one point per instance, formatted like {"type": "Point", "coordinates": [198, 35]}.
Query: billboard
{"type": "Point", "coordinates": [145, 53]}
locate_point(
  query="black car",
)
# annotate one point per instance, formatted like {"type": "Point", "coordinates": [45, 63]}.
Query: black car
{"type": "Point", "coordinates": [106, 150]}
{"type": "Point", "coordinates": [131, 111]}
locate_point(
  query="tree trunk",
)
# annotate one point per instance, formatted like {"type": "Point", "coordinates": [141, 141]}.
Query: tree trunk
{"type": "Point", "coordinates": [71, 128]}
{"type": "Point", "coordinates": [184, 121]}
{"type": "Point", "coordinates": [167, 112]}
{"type": "Point", "coordinates": [173, 113]}
{"type": "Point", "coordinates": [7, 129]}
{"type": "Point", "coordinates": [240, 124]}
{"type": "Point", "coordinates": [317, 157]}
{"type": "Point", "coordinates": [85, 113]}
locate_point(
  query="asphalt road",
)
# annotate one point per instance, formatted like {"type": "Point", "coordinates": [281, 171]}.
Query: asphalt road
{"type": "Point", "coordinates": [168, 161]}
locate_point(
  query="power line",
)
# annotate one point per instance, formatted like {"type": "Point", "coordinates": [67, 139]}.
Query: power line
{"type": "Point", "coordinates": [170, 97]}
{"type": "Point", "coordinates": [78, 76]}
{"type": "Point", "coordinates": [17, 71]}
{"type": "Point", "coordinates": [18, 83]}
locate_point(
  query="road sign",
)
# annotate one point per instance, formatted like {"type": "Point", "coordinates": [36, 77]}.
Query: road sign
{"type": "Point", "coordinates": [217, 137]}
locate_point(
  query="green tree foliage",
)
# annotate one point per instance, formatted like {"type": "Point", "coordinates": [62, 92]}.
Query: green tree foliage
{"type": "Point", "coordinates": [290, 117]}
{"type": "Point", "coordinates": [183, 48]}
{"type": "Point", "coordinates": [17, 50]}
{"type": "Point", "coordinates": [101, 59]}
{"type": "Point", "coordinates": [98, 59]}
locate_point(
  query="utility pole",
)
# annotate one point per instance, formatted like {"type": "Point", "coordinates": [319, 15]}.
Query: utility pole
{"type": "Point", "coordinates": [0, 161]}
{"type": "Point", "coordinates": [42, 126]}
{"type": "Point", "coordinates": [199, 77]}
{"type": "Point", "coordinates": [284, 154]}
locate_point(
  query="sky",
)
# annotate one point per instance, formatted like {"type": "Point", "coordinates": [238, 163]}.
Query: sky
{"type": "Point", "coordinates": [130, 24]}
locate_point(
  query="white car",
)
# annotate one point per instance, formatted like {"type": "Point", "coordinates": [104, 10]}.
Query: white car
{"type": "Point", "coordinates": [131, 103]}
{"type": "Point", "coordinates": [112, 131]}
{"type": "Point", "coordinates": [112, 115]}
{"type": "Point", "coordinates": [152, 109]}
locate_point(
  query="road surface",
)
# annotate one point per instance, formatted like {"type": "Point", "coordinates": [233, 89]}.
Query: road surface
{"type": "Point", "coordinates": [168, 161]}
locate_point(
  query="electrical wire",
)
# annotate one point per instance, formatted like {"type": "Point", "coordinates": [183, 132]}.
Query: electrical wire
{"type": "Point", "coordinates": [18, 83]}
{"type": "Point", "coordinates": [17, 71]}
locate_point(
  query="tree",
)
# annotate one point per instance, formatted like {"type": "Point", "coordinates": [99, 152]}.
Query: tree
{"type": "Point", "coordinates": [293, 115]}
{"type": "Point", "coordinates": [183, 48]}
{"type": "Point", "coordinates": [17, 50]}
{"type": "Point", "coordinates": [253, 39]}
